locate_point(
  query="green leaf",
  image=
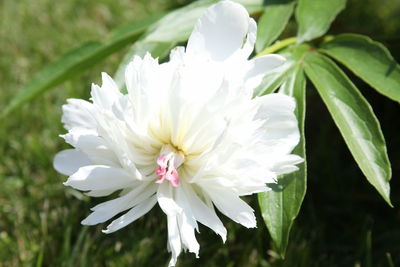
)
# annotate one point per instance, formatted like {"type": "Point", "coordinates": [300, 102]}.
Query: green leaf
{"type": "Point", "coordinates": [355, 119]}
{"type": "Point", "coordinates": [369, 60]}
{"type": "Point", "coordinates": [273, 21]}
{"type": "Point", "coordinates": [281, 205]}
{"type": "Point", "coordinates": [78, 60]}
{"type": "Point", "coordinates": [314, 17]}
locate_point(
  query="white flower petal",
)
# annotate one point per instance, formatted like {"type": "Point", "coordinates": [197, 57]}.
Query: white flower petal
{"type": "Point", "coordinates": [100, 193]}
{"type": "Point", "coordinates": [140, 82]}
{"type": "Point", "coordinates": [177, 54]}
{"type": "Point", "coordinates": [248, 46]}
{"type": "Point", "coordinates": [220, 32]}
{"type": "Point", "coordinates": [250, 190]}
{"type": "Point", "coordinates": [204, 214]}
{"type": "Point", "coordinates": [73, 135]}
{"type": "Point", "coordinates": [251, 185]}
{"type": "Point", "coordinates": [217, 182]}
{"type": "Point", "coordinates": [120, 106]}
{"type": "Point", "coordinates": [69, 161]}
{"type": "Point", "coordinates": [286, 164]}
{"type": "Point", "coordinates": [107, 94]}
{"type": "Point", "coordinates": [279, 103]}
{"type": "Point", "coordinates": [280, 132]}
{"type": "Point", "coordinates": [264, 64]}
{"type": "Point", "coordinates": [131, 215]}
{"type": "Point", "coordinates": [187, 222]}
{"type": "Point", "coordinates": [166, 200]}
{"type": "Point", "coordinates": [174, 239]}
{"type": "Point", "coordinates": [106, 210]}
{"type": "Point", "coordinates": [258, 67]}
{"type": "Point", "coordinates": [77, 113]}
{"type": "Point", "coordinates": [232, 206]}
{"type": "Point", "coordinates": [291, 159]}
{"type": "Point", "coordinates": [95, 147]}
{"type": "Point", "coordinates": [98, 177]}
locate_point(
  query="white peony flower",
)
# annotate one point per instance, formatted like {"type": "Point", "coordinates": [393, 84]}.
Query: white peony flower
{"type": "Point", "coordinates": [187, 135]}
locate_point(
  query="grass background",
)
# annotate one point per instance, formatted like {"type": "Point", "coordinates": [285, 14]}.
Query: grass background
{"type": "Point", "coordinates": [343, 221]}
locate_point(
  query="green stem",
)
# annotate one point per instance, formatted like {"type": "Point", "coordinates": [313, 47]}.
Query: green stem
{"type": "Point", "coordinates": [277, 46]}
{"type": "Point", "coordinates": [327, 38]}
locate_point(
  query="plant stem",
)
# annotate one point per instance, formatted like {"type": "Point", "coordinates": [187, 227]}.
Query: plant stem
{"type": "Point", "coordinates": [277, 46]}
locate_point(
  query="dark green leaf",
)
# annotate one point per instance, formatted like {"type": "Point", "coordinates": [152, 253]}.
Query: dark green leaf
{"type": "Point", "coordinates": [369, 60]}
{"type": "Point", "coordinates": [273, 22]}
{"type": "Point", "coordinates": [314, 17]}
{"type": "Point", "coordinates": [355, 119]}
{"type": "Point", "coordinates": [78, 60]}
{"type": "Point", "coordinates": [280, 206]}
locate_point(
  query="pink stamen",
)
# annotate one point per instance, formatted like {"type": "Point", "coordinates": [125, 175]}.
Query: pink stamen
{"type": "Point", "coordinates": [173, 178]}
{"type": "Point", "coordinates": [166, 170]}
{"type": "Point", "coordinates": [162, 161]}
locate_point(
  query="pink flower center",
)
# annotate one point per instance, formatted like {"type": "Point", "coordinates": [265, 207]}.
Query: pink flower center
{"type": "Point", "coordinates": [167, 165]}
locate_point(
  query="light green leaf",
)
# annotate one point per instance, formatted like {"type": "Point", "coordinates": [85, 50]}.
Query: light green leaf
{"type": "Point", "coordinates": [355, 119]}
{"type": "Point", "coordinates": [273, 21]}
{"type": "Point", "coordinates": [369, 60]}
{"type": "Point", "coordinates": [78, 60]}
{"type": "Point", "coordinates": [314, 17]}
{"type": "Point", "coordinates": [281, 205]}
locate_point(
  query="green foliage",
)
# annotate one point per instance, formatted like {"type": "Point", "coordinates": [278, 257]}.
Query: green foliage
{"type": "Point", "coordinates": [315, 16]}
{"type": "Point", "coordinates": [281, 206]}
{"type": "Point", "coordinates": [355, 119]}
{"type": "Point", "coordinates": [272, 22]}
{"type": "Point", "coordinates": [78, 60]}
{"type": "Point", "coordinates": [351, 112]}
{"type": "Point", "coordinates": [369, 60]}
{"type": "Point", "coordinates": [28, 181]}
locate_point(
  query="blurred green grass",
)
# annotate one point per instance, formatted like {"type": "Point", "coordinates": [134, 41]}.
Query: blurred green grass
{"type": "Point", "coordinates": [343, 221]}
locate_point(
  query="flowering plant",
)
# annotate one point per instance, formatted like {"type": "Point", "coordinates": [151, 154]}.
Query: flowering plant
{"type": "Point", "coordinates": [179, 138]}
{"type": "Point", "coordinates": [210, 118]}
